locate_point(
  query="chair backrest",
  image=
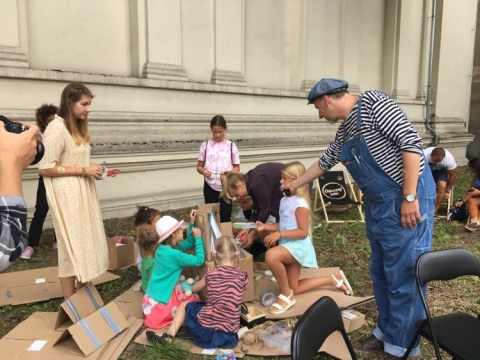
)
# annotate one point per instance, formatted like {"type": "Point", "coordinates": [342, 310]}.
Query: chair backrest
{"type": "Point", "coordinates": [317, 323]}
{"type": "Point", "coordinates": [333, 188]}
{"type": "Point", "coordinates": [446, 265]}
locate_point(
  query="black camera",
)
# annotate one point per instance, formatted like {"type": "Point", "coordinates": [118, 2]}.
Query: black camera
{"type": "Point", "coordinates": [17, 128]}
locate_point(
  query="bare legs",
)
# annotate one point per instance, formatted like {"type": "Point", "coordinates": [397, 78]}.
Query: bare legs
{"type": "Point", "coordinates": [286, 271]}
{"type": "Point", "coordinates": [441, 187]}
{"type": "Point", "coordinates": [68, 286]}
{"type": "Point", "coordinates": [178, 319]}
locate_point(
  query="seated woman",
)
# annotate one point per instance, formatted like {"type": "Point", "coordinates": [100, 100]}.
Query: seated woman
{"type": "Point", "coordinates": [472, 197]}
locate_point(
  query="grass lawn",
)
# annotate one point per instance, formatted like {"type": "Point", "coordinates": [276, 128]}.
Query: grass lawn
{"type": "Point", "coordinates": [343, 245]}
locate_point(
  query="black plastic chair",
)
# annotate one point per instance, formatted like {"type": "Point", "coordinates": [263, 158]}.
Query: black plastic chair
{"type": "Point", "coordinates": [458, 334]}
{"type": "Point", "coordinates": [317, 323]}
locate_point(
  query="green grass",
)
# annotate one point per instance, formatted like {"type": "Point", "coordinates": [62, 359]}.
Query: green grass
{"type": "Point", "coordinates": [344, 245]}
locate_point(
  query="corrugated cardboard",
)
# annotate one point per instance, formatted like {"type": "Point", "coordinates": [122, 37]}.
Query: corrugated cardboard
{"type": "Point", "coordinates": [130, 302]}
{"type": "Point", "coordinates": [31, 286]}
{"type": "Point", "coordinates": [352, 319]}
{"type": "Point", "coordinates": [121, 255]}
{"type": "Point", "coordinates": [303, 301]}
{"type": "Point", "coordinates": [26, 339]}
{"type": "Point", "coordinates": [88, 321]}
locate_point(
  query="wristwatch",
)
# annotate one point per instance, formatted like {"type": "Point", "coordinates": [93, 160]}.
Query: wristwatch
{"type": "Point", "coordinates": [410, 197]}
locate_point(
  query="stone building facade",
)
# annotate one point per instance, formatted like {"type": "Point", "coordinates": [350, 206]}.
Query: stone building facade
{"type": "Point", "coordinates": [160, 69]}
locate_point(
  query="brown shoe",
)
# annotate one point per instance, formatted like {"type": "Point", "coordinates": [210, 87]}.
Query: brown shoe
{"type": "Point", "coordinates": [369, 345]}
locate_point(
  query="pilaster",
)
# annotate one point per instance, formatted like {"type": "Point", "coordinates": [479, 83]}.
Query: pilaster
{"type": "Point", "coordinates": [13, 43]}
{"type": "Point", "coordinates": [229, 42]}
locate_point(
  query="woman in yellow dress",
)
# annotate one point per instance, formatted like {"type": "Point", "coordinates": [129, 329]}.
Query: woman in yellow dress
{"type": "Point", "coordinates": [71, 193]}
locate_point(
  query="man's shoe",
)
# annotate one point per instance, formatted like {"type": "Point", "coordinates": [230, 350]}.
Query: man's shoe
{"type": "Point", "coordinates": [369, 345]}
{"type": "Point", "coordinates": [27, 253]}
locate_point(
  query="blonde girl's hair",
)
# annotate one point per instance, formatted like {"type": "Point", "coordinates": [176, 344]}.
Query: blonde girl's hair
{"type": "Point", "coordinates": [226, 250]}
{"type": "Point", "coordinates": [229, 184]}
{"type": "Point", "coordinates": [294, 170]}
{"type": "Point", "coordinates": [147, 237]}
{"type": "Point", "coordinates": [70, 95]}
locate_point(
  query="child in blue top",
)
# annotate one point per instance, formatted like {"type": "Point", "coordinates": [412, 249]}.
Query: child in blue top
{"type": "Point", "coordinates": [164, 294]}
{"type": "Point", "coordinates": [295, 248]}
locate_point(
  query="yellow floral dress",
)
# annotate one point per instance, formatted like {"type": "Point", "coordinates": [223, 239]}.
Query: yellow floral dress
{"type": "Point", "coordinates": [75, 208]}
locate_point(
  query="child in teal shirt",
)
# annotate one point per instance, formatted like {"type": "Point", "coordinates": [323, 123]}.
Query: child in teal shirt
{"type": "Point", "coordinates": [163, 293]}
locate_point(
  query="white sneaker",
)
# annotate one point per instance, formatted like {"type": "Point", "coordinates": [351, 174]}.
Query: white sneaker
{"type": "Point", "coordinates": [27, 253]}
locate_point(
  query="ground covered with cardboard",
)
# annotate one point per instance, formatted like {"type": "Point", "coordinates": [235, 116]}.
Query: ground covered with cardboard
{"type": "Point", "coordinates": [337, 245]}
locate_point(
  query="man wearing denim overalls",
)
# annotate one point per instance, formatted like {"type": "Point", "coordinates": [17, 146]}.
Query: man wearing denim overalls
{"type": "Point", "coordinates": [383, 153]}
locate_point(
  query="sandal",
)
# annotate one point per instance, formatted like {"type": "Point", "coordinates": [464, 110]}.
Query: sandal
{"type": "Point", "coordinates": [343, 281]}
{"type": "Point", "coordinates": [162, 339]}
{"type": "Point", "coordinates": [468, 227]}
{"type": "Point", "coordinates": [289, 302]}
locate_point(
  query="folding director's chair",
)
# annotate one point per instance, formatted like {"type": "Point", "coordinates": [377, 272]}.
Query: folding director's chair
{"type": "Point", "coordinates": [334, 189]}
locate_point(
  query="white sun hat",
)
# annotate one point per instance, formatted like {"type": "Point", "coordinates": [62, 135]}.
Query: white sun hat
{"type": "Point", "coordinates": [167, 225]}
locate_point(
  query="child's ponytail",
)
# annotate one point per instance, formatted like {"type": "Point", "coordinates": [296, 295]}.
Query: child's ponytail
{"type": "Point", "coordinates": [226, 250]}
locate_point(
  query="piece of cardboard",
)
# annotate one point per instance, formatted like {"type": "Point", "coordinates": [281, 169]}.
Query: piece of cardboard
{"type": "Point", "coordinates": [303, 301]}
{"type": "Point", "coordinates": [121, 255]}
{"type": "Point", "coordinates": [130, 302]}
{"type": "Point", "coordinates": [31, 286]}
{"type": "Point", "coordinates": [33, 339]}
{"type": "Point", "coordinates": [352, 319]}
{"type": "Point", "coordinates": [245, 263]}
{"type": "Point", "coordinates": [88, 321]}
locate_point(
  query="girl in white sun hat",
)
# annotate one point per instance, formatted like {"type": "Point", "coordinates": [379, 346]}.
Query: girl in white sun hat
{"type": "Point", "coordinates": [163, 294]}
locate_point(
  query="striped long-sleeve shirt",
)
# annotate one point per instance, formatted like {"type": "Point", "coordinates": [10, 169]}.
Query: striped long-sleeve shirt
{"type": "Point", "coordinates": [13, 213]}
{"type": "Point", "coordinates": [225, 287]}
{"type": "Point", "coordinates": [387, 132]}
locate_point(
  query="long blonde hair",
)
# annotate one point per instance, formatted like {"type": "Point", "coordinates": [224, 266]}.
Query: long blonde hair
{"type": "Point", "coordinates": [226, 250]}
{"type": "Point", "coordinates": [70, 95]}
{"type": "Point", "coordinates": [293, 170]}
{"type": "Point", "coordinates": [229, 184]}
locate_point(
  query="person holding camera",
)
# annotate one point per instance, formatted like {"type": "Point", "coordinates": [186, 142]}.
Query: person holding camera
{"type": "Point", "coordinates": [43, 115]}
{"type": "Point", "coordinates": [71, 192]}
{"type": "Point", "coordinates": [17, 151]}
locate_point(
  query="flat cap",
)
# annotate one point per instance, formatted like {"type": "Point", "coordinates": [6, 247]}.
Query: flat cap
{"type": "Point", "coordinates": [326, 86]}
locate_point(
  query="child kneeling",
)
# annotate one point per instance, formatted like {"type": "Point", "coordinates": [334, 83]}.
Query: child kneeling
{"type": "Point", "coordinates": [213, 323]}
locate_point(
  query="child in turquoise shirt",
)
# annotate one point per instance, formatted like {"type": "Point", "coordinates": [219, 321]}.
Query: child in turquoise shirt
{"type": "Point", "coordinates": [163, 293]}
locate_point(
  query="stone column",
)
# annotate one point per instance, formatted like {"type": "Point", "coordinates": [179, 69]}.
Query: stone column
{"type": "Point", "coordinates": [228, 42]}
{"type": "Point", "coordinates": [349, 56]}
{"type": "Point", "coordinates": [402, 44]}
{"type": "Point", "coordinates": [313, 40]}
{"type": "Point", "coordinates": [157, 39]}
{"type": "Point", "coordinates": [14, 42]}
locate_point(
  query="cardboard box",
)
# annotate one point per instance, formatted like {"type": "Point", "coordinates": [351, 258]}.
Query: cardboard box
{"type": "Point", "coordinates": [31, 286]}
{"type": "Point", "coordinates": [34, 337]}
{"type": "Point", "coordinates": [352, 319]}
{"type": "Point", "coordinates": [85, 319]}
{"type": "Point", "coordinates": [255, 317]}
{"type": "Point", "coordinates": [245, 263]}
{"type": "Point", "coordinates": [121, 255]}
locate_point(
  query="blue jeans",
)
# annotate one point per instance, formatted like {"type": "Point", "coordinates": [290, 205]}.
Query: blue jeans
{"type": "Point", "coordinates": [392, 265]}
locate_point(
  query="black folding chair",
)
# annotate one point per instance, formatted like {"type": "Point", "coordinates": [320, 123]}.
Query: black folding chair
{"type": "Point", "coordinates": [456, 333]}
{"type": "Point", "coordinates": [316, 324]}
{"type": "Point", "coordinates": [336, 188]}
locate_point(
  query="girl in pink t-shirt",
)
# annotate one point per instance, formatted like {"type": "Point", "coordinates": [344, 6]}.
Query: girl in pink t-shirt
{"type": "Point", "coordinates": [216, 156]}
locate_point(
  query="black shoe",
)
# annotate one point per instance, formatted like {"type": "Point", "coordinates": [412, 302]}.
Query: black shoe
{"type": "Point", "coordinates": [369, 345]}
{"type": "Point", "coordinates": [184, 333]}
{"type": "Point", "coordinates": [162, 339]}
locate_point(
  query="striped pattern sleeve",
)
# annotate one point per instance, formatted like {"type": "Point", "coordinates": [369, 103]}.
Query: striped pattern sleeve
{"type": "Point", "coordinates": [225, 287]}
{"type": "Point", "coordinates": [387, 130]}
{"type": "Point", "coordinates": [13, 213]}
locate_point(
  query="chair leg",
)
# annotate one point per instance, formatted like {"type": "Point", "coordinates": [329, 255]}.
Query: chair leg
{"type": "Point", "coordinates": [410, 346]}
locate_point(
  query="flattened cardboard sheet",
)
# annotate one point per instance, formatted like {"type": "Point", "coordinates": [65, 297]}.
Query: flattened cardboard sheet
{"type": "Point", "coordinates": [31, 286]}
